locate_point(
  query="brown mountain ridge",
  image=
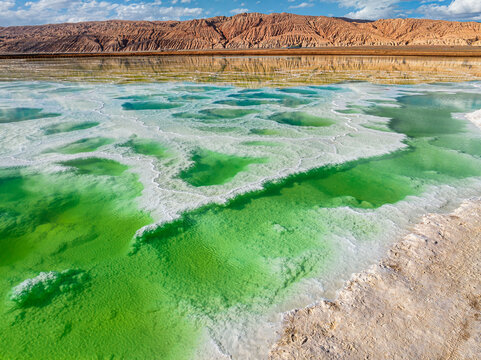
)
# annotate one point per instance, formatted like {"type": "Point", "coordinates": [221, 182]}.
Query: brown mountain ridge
{"type": "Point", "coordinates": [243, 31]}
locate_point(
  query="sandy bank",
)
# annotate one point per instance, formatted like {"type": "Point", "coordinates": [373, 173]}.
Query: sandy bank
{"type": "Point", "coordinates": [422, 302]}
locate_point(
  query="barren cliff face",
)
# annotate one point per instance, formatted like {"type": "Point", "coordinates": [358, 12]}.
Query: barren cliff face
{"type": "Point", "coordinates": [241, 31]}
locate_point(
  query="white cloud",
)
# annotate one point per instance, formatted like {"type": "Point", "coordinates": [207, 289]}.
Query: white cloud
{"type": "Point", "coordinates": [42, 5]}
{"type": "Point", "coordinates": [457, 9]}
{"type": "Point", "coordinates": [239, 11]}
{"type": "Point", "coordinates": [370, 9]}
{"type": "Point", "coordinates": [56, 11]}
{"type": "Point", "coordinates": [6, 5]}
{"type": "Point", "coordinates": [301, 5]}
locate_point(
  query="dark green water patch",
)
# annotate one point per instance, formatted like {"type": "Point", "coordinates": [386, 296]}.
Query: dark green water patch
{"type": "Point", "coordinates": [213, 168]}
{"type": "Point", "coordinates": [267, 132]}
{"type": "Point", "coordinates": [387, 101]}
{"type": "Point", "coordinates": [329, 87]}
{"type": "Point", "coordinates": [83, 145]}
{"type": "Point", "coordinates": [298, 118]}
{"type": "Point", "coordinates": [298, 91]}
{"type": "Point", "coordinates": [149, 105]}
{"type": "Point", "coordinates": [217, 129]}
{"type": "Point", "coordinates": [464, 144]}
{"type": "Point", "coordinates": [68, 127]}
{"type": "Point", "coordinates": [147, 147]}
{"type": "Point", "coordinates": [378, 126]}
{"type": "Point", "coordinates": [21, 114]}
{"type": "Point", "coordinates": [188, 98]}
{"type": "Point", "coordinates": [186, 115]}
{"type": "Point", "coordinates": [219, 113]}
{"type": "Point", "coordinates": [285, 100]}
{"type": "Point", "coordinates": [216, 114]}
{"type": "Point", "coordinates": [200, 89]}
{"type": "Point", "coordinates": [23, 85]}
{"type": "Point", "coordinates": [428, 115]}
{"type": "Point", "coordinates": [66, 90]}
{"type": "Point", "coordinates": [96, 166]}
{"type": "Point", "coordinates": [260, 143]}
{"type": "Point", "coordinates": [243, 102]}
{"type": "Point", "coordinates": [352, 109]}
{"type": "Point", "coordinates": [146, 97]}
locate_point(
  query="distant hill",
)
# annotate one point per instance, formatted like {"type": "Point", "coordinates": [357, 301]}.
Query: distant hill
{"type": "Point", "coordinates": [243, 31]}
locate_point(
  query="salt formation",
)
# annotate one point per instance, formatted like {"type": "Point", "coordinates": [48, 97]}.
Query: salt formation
{"type": "Point", "coordinates": [475, 118]}
{"type": "Point", "coordinates": [46, 285]}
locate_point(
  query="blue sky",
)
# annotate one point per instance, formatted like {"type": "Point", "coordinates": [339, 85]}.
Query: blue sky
{"type": "Point", "coordinates": [21, 12]}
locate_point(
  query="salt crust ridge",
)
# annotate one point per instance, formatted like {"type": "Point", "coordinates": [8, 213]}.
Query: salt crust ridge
{"type": "Point", "coordinates": [475, 118]}
{"type": "Point", "coordinates": [46, 285]}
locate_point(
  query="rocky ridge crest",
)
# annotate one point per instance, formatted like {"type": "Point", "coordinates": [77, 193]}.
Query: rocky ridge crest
{"type": "Point", "coordinates": [242, 31]}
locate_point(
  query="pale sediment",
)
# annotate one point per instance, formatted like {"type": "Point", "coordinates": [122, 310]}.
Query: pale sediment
{"type": "Point", "coordinates": [422, 302]}
{"type": "Point", "coordinates": [475, 118]}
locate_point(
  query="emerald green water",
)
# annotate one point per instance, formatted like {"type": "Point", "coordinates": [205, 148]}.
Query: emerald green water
{"type": "Point", "coordinates": [68, 127]}
{"type": "Point", "coordinates": [264, 132]}
{"type": "Point", "coordinates": [216, 114]}
{"type": "Point", "coordinates": [83, 145]}
{"type": "Point", "coordinates": [298, 118]}
{"type": "Point", "coordinates": [140, 98]}
{"type": "Point", "coordinates": [188, 97]}
{"type": "Point", "coordinates": [148, 105]}
{"type": "Point", "coordinates": [217, 129]}
{"type": "Point", "coordinates": [285, 100]}
{"type": "Point", "coordinates": [260, 143]}
{"type": "Point", "coordinates": [96, 166]}
{"type": "Point", "coordinates": [198, 88]}
{"type": "Point", "coordinates": [22, 114]}
{"type": "Point", "coordinates": [147, 147]}
{"type": "Point", "coordinates": [249, 102]}
{"type": "Point", "coordinates": [212, 168]}
{"type": "Point", "coordinates": [298, 91]}
{"type": "Point", "coordinates": [101, 289]}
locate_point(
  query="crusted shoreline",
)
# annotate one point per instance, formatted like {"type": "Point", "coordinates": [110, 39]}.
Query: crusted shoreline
{"type": "Point", "coordinates": [423, 301]}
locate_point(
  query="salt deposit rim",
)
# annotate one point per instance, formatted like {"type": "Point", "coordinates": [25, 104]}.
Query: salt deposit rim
{"type": "Point", "coordinates": [408, 50]}
{"type": "Point", "coordinates": [270, 186]}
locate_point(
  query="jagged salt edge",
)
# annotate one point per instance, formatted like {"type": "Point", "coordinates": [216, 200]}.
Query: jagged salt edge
{"type": "Point", "coordinates": [475, 118]}
{"type": "Point", "coordinates": [27, 285]}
